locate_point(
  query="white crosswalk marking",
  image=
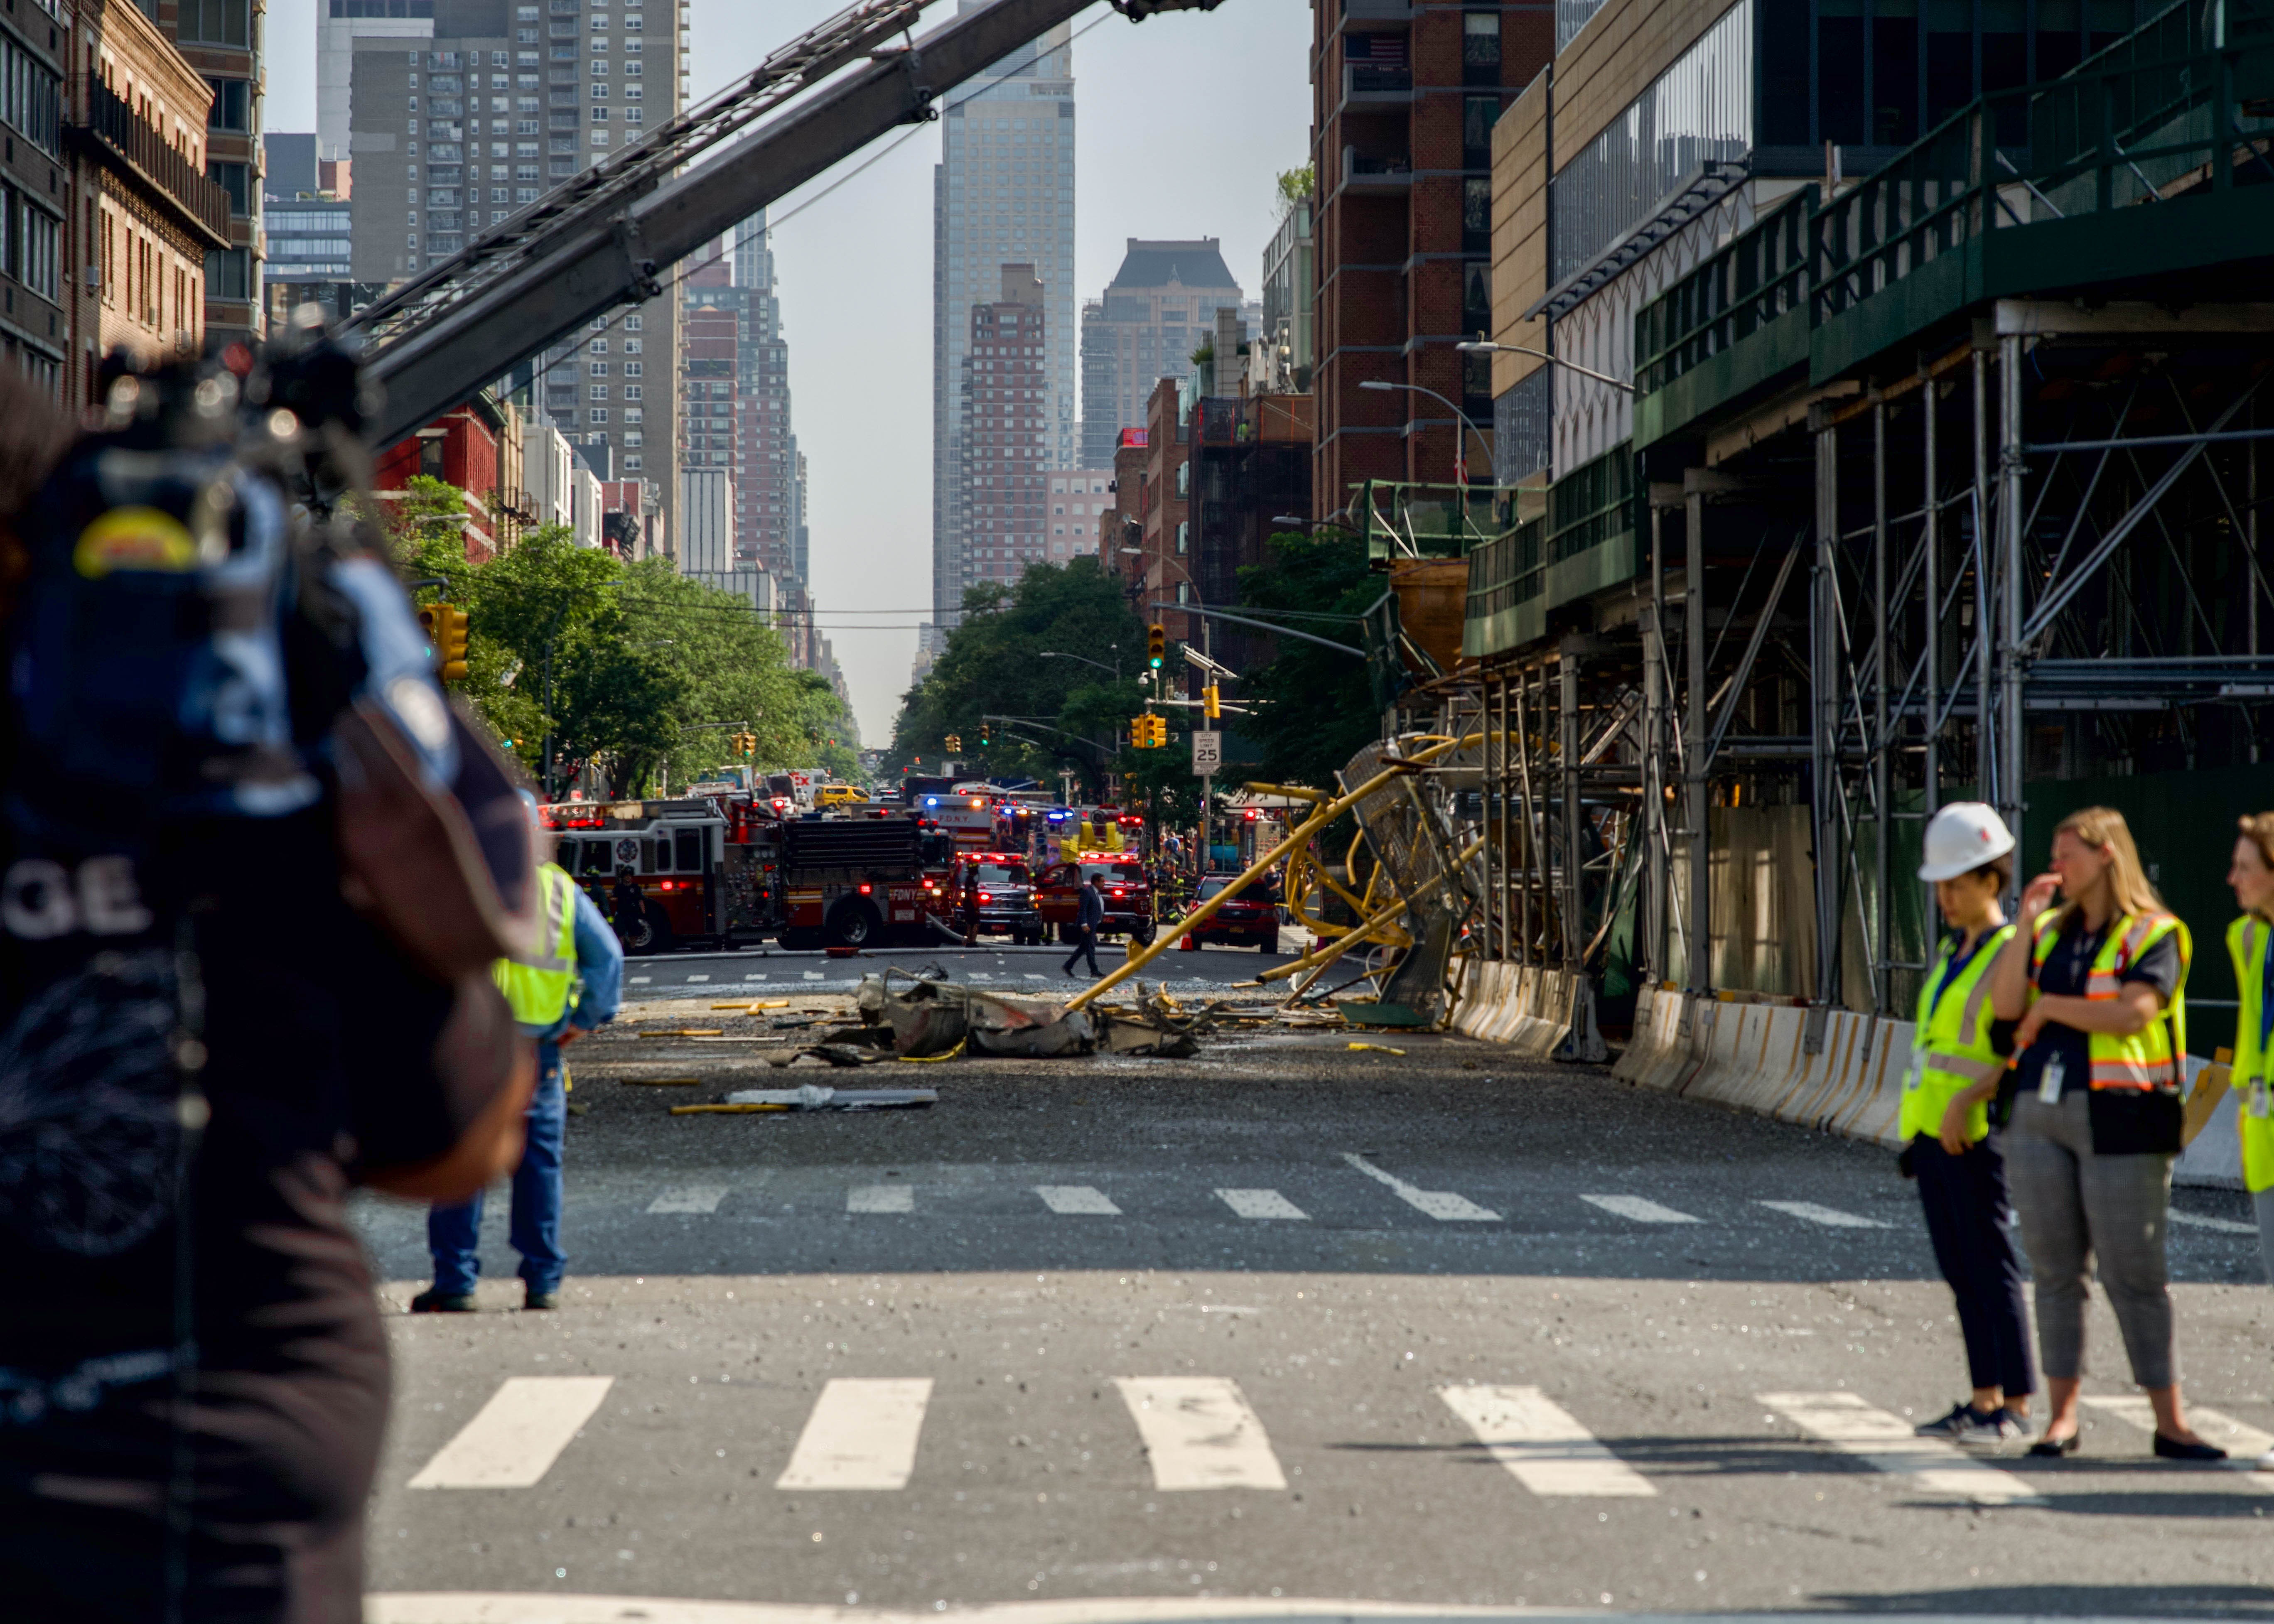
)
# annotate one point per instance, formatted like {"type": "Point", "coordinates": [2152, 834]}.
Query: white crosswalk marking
{"type": "Point", "coordinates": [515, 1439]}
{"type": "Point", "coordinates": [1543, 1445]}
{"type": "Point", "coordinates": [1260, 1204]}
{"type": "Point", "coordinates": [1442, 1204]}
{"type": "Point", "coordinates": [641, 981]}
{"type": "Point", "coordinates": [1200, 1434]}
{"type": "Point", "coordinates": [2203, 1221]}
{"type": "Point", "coordinates": [1830, 1217]}
{"type": "Point", "coordinates": [698, 978]}
{"type": "Point", "coordinates": [1077, 1199]}
{"type": "Point", "coordinates": [1636, 1208]}
{"type": "Point", "coordinates": [1036, 978]}
{"type": "Point", "coordinates": [880, 1198]}
{"type": "Point", "coordinates": [1886, 1443]}
{"type": "Point", "coordinates": [861, 1435]}
{"type": "Point", "coordinates": [2243, 1442]}
{"type": "Point", "coordinates": [754, 975]}
{"type": "Point", "coordinates": [814, 975]}
{"type": "Point", "coordinates": [982, 976]}
{"type": "Point", "coordinates": [690, 1199]}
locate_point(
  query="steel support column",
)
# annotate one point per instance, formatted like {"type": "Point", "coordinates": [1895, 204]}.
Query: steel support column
{"type": "Point", "coordinates": [1693, 623]}
{"type": "Point", "coordinates": [2012, 743]}
{"type": "Point", "coordinates": [1824, 729]}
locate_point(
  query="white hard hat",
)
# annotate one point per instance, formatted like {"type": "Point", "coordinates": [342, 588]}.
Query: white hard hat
{"type": "Point", "coordinates": [1963, 836]}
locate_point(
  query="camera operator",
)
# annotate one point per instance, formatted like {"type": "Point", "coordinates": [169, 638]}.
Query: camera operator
{"type": "Point", "coordinates": [236, 816]}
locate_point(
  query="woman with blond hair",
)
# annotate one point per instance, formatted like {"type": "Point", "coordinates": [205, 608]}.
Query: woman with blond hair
{"type": "Point", "coordinates": [2097, 986]}
{"type": "Point", "coordinates": [2250, 875]}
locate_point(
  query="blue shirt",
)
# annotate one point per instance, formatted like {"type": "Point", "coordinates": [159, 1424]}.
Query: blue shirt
{"type": "Point", "coordinates": [600, 973]}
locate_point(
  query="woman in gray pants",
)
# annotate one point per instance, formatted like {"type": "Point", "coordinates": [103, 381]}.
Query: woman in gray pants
{"type": "Point", "coordinates": [2098, 988]}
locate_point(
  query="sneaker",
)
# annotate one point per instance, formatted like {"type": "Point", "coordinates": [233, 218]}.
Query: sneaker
{"type": "Point", "coordinates": [433, 1301]}
{"type": "Point", "coordinates": [2001, 1426]}
{"type": "Point", "coordinates": [1962, 1415]}
{"type": "Point", "coordinates": [534, 1298]}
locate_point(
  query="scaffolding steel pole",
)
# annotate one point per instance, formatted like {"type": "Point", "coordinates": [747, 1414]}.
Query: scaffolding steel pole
{"type": "Point", "coordinates": [1693, 622]}
{"type": "Point", "coordinates": [2009, 523]}
{"type": "Point", "coordinates": [1824, 752]}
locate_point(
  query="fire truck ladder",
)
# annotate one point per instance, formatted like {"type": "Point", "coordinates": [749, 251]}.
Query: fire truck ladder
{"type": "Point", "coordinates": [596, 242]}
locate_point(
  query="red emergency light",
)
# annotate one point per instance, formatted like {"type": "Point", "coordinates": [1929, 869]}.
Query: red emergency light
{"type": "Point", "coordinates": [865, 888]}
{"type": "Point", "coordinates": [986, 896]}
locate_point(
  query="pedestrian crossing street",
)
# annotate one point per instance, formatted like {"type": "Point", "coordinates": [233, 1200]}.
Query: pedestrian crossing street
{"type": "Point", "coordinates": [1201, 1433]}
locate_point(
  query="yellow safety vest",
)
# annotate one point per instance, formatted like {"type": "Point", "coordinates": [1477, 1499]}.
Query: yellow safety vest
{"type": "Point", "coordinates": [540, 990]}
{"type": "Point", "coordinates": [1951, 1042]}
{"type": "Point", "coordinates": [2246, 940]}
{"type": "Point", "coordinates": [2147, 1059]}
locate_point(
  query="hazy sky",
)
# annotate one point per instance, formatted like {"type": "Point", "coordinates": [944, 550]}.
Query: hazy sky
{"type": "Point", "coordinates": [1182, 122]}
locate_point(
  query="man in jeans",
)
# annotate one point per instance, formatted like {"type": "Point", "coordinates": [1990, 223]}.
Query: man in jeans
{"type": "Point", "coordinates": [1092, 915]}
{"type": "Point", "coordinates": [570, 988]}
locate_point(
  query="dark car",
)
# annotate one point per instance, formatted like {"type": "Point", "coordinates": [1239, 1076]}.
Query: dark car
{"type": "Point", "coordinates": [994, 896]}
{"type": "Point", "coordinates": [1128, 896]}
{"type": "Point", "coordinates": [1249, 919]}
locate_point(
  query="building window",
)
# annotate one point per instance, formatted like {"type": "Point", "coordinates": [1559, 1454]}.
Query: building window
{"type": "Point", "coordinates": [1184, 528]}
{"type": "Point", "coordinates": [599, 415]}
{"type": "Point", "coordinates": [632, 391]}
{"type": "Point", "coordinates": [215, 22]}
{"type": "Point", "coordinates": [235, 180]}
{"type": "Point", "coordinates": [229, 273]}
{"type": "Point", "coordinates": [596, 369]}
{"type": "Point", "coordinates": [232, 104]}
{"type": "Point", "coordinates": [598, 392]}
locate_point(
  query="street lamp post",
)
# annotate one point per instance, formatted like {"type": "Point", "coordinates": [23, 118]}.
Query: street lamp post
{"type": "Point", "coordinates": [1477, 346]}
{"type": "Point", "coordinates": [1460, 461]}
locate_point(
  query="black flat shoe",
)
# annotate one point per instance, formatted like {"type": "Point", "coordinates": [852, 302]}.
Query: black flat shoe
{"type": "Point", "coordinates": [2060, 1449]}
{"type": "Point", "coordinates": [432, 1302]}
{"type": "Point", "coordinates": [2173, 1449]}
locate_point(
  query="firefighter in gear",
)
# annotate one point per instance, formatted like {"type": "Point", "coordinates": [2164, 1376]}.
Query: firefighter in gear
{"type": "Point", "coordinates": [1957, 1060]}
{"type": "Point", "coordinates": [571, 987]}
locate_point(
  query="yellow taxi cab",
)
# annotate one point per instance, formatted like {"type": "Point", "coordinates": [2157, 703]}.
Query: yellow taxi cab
{"type": "Point", "coordinates": [839, 795]}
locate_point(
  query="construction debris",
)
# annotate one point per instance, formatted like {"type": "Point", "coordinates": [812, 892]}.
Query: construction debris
{"type": "Point", "coordinates": [819, 1097]}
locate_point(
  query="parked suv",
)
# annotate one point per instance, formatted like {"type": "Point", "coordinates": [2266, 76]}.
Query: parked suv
{"type": "Point", "coordinates": [1249, 919]}
{"type": "Point", "coordinates": [993, 896]}
{"type": "Point", "coordinates": [1128, 896]}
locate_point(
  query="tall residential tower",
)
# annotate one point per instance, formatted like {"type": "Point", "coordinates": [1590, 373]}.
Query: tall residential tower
{"type": "Point", "coordinates": [1003, 194]}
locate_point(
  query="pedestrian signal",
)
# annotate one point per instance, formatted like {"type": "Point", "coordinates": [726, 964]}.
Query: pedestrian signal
{"type": "Point", "coordinates": [1212, 701]}
{"type": "Point", "coordinates": [1156, 645]}
{"type": "Point", "coordinates": [445, 625]}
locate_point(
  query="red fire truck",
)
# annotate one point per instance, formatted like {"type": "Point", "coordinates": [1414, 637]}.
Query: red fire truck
{"type": "Point", "coordinates": [726, 870]}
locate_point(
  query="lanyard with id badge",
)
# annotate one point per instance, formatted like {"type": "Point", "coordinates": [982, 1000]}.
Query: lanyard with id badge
{"type": "Point", "coordinates": [2257, 1103]}
{"type": "Point", "coordinates": [2055, 1070]}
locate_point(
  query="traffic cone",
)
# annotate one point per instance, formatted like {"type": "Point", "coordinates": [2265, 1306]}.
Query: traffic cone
{"type": "Point", "coordinates": [1188, 946]}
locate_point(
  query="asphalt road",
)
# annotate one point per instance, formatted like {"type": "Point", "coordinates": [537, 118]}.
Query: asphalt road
{"type": "Point", "coordinates": [1284, 1329]}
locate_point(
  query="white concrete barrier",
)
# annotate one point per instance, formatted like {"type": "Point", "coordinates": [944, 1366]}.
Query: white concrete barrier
{"type": "Point", "coordinates": [1751, 1056]}
{"type": "Point", "coordinates": [1522, 1005]}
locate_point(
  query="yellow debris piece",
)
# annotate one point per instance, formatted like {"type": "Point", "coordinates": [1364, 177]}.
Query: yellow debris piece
{"type": "Point", "coordinates": [688, 1032]}
{"type": "Point", "coordinates": [1380, 1049]}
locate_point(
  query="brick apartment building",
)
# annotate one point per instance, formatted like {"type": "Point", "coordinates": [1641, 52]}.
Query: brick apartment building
{"type": "Point", "coordinates": [1405, 93]}
{"type": "Point", "coordinates": [222, 39]}
{"type": "Point", "coordinates": [476, 447]}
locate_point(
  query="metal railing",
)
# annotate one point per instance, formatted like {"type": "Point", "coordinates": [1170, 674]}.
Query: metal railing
{"type": "Point", "coordinates": [113, 125]}
{"type": "Point", "coordinates": [1758, 277]}
{"type": "Point", "coordinates": [2145, 122]}
{"type": "Point", "coordinates": [2138, 131]}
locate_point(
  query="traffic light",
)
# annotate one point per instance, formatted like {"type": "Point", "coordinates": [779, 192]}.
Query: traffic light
{"type": "Point", "coordinates": [1160, 732]}
{"type": "Point", "coordinates": [1211, 702]}
{"type": "Point", "coordinates": [445, 625]}
{"type": "Point", "coordinates": [986, 735]}
{"type": "Point", "coordinates": [1156, 646]}
{"type": "Point", "coordinates": [746, 745]}
{"type": "Point", "coordinates": [1140, 735]}
{"type": "Point", "coordinates": [954, 742]}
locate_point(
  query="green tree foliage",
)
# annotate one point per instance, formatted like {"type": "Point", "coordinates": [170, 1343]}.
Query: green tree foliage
{"type": "Point", "coordinates": [647, 672]}
{"type": "Point", "coordinates": [1313, 710]}
{"type": "Point", "coordinates": [992, 666]}
{"type": "Point", "coordinates": [1292, 186]}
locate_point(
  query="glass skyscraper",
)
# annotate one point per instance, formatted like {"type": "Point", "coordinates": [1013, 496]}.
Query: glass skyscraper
{"type": "Point", "coordinates": [1003, 194]}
